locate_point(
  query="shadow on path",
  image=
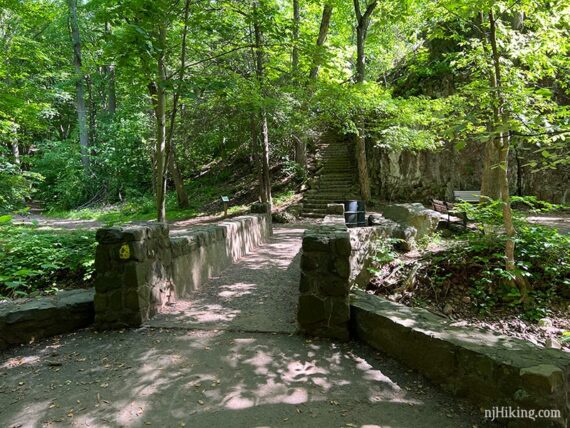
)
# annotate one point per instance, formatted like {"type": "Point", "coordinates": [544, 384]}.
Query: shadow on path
{"type": "Point", "coordinates": [259, 293]}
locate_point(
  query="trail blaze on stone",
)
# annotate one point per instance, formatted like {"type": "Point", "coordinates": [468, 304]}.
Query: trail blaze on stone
{"type": "Point", "coordinates": [124, 252]}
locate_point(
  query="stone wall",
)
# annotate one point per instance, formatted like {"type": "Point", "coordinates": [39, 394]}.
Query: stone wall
{"type": "Point", "coordinates": [204, 251]}
{"type": "Point", "coordinates": [489, 369]}
{"type": "Point", "coordinates": [133, 279]}
{"type": "Point", "coordinates": [408, 176]}
{"type": "Point", "coordinates": [333, 259]}
{"type": "Point", "coordinates": [141, 268]}
{"type": "Point", "coordinates": [27, 320]}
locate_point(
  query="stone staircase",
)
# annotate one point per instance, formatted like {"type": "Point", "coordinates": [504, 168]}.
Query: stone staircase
{"type": "Point", "coordinates": [336, 179]}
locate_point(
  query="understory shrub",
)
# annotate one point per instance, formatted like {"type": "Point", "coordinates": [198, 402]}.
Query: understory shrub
{"type": "Point", "coordinates": [35, 260]}
{"type": "Point", "coordinates": [542, 257]}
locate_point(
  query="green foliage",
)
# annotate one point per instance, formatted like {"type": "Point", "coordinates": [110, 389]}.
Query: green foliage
{"type": "Point", "coordinates": [542, 259]}
{"type": "Point", "coordinates": [382, 253]}
{"type": "Point", "coordinates": [64, 183]}
{"type": "Point", "coordinates": [43, 260]}
{"type": "Point", "coordinates": [15, 186]}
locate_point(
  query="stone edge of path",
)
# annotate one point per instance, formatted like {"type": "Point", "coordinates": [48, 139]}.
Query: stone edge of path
{"type": "Point", "coordinates": [490, 369]}
{"type": "Point", "coordinates": [27, 320]}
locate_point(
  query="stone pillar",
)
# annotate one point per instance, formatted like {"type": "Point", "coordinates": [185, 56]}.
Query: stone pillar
{"type": "Point", "coordinates": [133, 275]}
{"type": "Point", "coordinates": [325, 270]}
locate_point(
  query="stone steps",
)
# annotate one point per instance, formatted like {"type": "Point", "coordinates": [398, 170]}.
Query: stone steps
{"type": "Point", "coordinates": [336, 179]}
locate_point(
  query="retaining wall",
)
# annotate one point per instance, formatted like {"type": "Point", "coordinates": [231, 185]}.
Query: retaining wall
{"type": "Point", "coordinates": [490, 369]}
{"type": "Point", "coordinates": [141, 268]}
{"type": "Point", "coordinates": [27, 320]}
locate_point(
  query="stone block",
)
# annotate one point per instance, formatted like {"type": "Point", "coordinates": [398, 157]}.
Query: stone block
{"type": "Point", "coordinates": [22, 321]}
{"type": "Point", "coordinates": [342, 267]}
{"type": "Point", "coordinates": [416, 215]}
{"type": "Point", "coordinates": [543, 378]}
{"type": "Point", "coordinates": [311, 310]}
{"type": "Point", "coordinates": [283, 217]}
{"type": "Point", "coordinates": [316, 242]}
{"type": "Point", "coordinates": [333, 285]}
{"type": "Point", "coordinates": [342, 245]}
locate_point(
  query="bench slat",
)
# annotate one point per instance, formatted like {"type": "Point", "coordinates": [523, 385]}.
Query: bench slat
{"type": "Point", "coordinates": [467, 195]}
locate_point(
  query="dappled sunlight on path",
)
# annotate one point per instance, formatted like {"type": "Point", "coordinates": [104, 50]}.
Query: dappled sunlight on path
{"type": "Point", "coordinates": [226, 356]}
{"type": "Point", "coordinates": [258, 293]}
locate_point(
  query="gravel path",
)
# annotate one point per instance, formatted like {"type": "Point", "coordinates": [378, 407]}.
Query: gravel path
{"type": "Point", "coordinates": [225, 358]}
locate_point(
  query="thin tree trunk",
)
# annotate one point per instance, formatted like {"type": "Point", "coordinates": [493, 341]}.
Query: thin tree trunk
{"type": "Point", "coordinates": [363, 21]}
{"type": "Point", "coordinates": [501, 118]}
{"type": "Point", "coordinates": [300, 151]}
{"type": "Point", "coordinates": [296, 26]}
{"type": "Point", "coordinates": [92, 111]}
{"type": "Point", "coordinates": [259, 69]}
{"type": "Point", "coordinates": [321, 39]}
{"type": "Point", "coordinates": [111, 86]}
{"type": "Point", "coordinates": [161, 148]}
{"type": "Point", "coordinates": [266, 179]}
{"type": "Point", "coordinates": [80, 96]}
{"type": "Point", "coordinates": [181, 195]}
{"type": "Point", "coordinates": [16, 152]}
{"type": "Point", "coordinates": [490, 175]}
{"type": "Point", "coordinates": [14, 145]}
{"type": "Point", "coordinates": [112, 91]}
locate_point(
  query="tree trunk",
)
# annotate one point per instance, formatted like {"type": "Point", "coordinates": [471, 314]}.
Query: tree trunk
{"type": "Point", "coordinates": [14, 144]}
{"type": "Point", "coordinates": [265, 184]}
{"type": "Point", "coordinates": [111, 87]}
{"type": "Point", "coordinates": [363, 21]}
{"type": "Point", "coordinates": [296, 25]}
{"type": "Point", "coordinates": [361, 31]}
{"type": "Point", "coordinates": [181, 195]}
{"type": "Point", "coordinates": [321, 39]}
{"type": "Point", "coordinates": [490, 176]}
{"type": "Point", "coordinates": [80, 95]}
{"type": "Point", "coordinates": [92, 111]}
{"type": "Point", "coordinates": [266, 179]}
{"type": "Point", "coordinates": [16, 152]}
{"type": "Point", "coordinates": [300, 151]}
{"type": "Point", "coordinates": [161, 154]}
{"type": "Point", "coordinates": [362, 162]}
{"type": "Point", "coordinates": [501, 119]}
{"type": "Point", "coordinates": [111, 90]}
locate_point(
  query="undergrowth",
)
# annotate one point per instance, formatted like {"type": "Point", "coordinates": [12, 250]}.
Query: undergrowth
{"type": "Point", "coordinates": [36, 261]}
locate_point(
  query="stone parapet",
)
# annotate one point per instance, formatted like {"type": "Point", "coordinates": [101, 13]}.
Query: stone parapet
{"type": "Point", "coordinates": [490, 369]}
{"type": "Point", "coordinates": [139, 269]}
{"type": "Point", "coordinates": [334, 258]}
{"type": "Point", "coordinates": [27, 320]}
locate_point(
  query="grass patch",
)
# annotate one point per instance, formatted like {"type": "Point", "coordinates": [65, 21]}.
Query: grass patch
{"type": "Point", "coordinates": [203, 196]}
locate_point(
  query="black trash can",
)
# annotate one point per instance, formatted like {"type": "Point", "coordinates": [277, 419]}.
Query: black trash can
{"type": "Point", "coordinates": [351, 218]}
{"type": "Point", "coordinates": [354, 213]}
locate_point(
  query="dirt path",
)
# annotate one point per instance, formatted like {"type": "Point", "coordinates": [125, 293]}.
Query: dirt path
{"type": "Point", "coordinates": [225, 358]}
{"type": "Point", "coordinates": [257, 294]}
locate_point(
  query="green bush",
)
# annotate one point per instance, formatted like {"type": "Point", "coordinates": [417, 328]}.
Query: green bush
{"type": "Point", "coordinates": [15, 186]}
{"type": "Point", "coordinates": [33, 260]}
{"type": "Point", "coordinates": [542, 258]}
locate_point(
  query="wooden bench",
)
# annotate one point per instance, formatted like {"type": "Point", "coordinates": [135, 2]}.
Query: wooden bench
{"type": "Point", "coordinates": [448, 208]}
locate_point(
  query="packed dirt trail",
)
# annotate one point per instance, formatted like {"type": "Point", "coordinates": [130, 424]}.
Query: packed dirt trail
{"type": "Point", "coordinates": [227, 356]}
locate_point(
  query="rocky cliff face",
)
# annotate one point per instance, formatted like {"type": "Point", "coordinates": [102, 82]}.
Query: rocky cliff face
{"type": "Point", "coordinates": [401, 175]}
